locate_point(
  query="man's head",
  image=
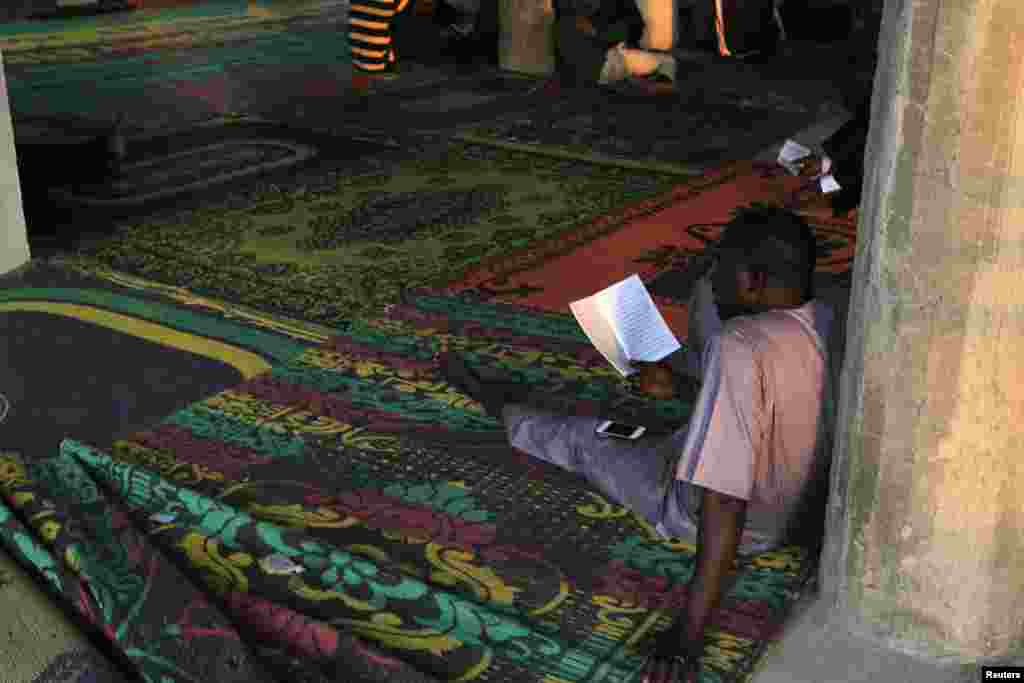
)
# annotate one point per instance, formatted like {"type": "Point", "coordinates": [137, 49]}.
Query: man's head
{"type": "Point", "coordinates": [765, 260]}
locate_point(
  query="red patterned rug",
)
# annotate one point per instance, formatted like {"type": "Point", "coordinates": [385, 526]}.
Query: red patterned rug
{"type": "Point", "coordinates": [657, 243]}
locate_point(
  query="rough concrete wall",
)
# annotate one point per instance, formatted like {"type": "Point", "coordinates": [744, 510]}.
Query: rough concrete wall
{"type": "Point", "coordinates": [13, 233]}
{"type": "Point", "coordinates": [925, 550]}
{"type": "Point", "coordinates": [527, 38]}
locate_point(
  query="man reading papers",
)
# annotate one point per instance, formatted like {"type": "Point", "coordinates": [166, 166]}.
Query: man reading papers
{"type": "Point", "coordinates": [743, 475]}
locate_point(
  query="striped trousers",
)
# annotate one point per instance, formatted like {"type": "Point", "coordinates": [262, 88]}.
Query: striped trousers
{"type": "Point", "coordinates": [715, 20]}
{"type": "Point", "coordinates": [369, 33]}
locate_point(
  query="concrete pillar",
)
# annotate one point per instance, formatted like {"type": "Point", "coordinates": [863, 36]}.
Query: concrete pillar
{"type": "Point", "coordinates": [526, 36]}
{"type": "Point", "coordinates": [925, 542]}
{"type": "Point", "coordinates": [13, 233]}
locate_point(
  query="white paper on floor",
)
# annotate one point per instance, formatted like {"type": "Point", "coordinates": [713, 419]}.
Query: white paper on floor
{"type": "Point", "coordinates": [790, 154]}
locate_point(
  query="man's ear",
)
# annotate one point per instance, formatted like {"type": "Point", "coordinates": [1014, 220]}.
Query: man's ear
{"type": "Point", "coordinates": [754, 281]}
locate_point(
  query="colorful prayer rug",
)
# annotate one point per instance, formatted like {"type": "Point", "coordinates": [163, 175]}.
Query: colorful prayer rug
{"type": "Point", "coordinates": [339, 236]}
{"type": "Point", "coordinates": [348, 513]}
{"type": "Point", "coordinates": [153, 349]}
{"type": "Point", "coordinates": [658, 243]}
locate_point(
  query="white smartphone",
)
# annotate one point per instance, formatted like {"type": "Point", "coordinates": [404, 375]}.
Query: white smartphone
{"type": "Point", "coordinates": [620, 430]}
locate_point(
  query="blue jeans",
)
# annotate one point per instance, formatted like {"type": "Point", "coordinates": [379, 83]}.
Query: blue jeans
{"type": "Point", "coordinates": [631, 473]}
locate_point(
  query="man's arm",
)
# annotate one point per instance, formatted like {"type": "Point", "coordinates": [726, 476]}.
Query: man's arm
{"type": "Point", "coordinates": [718, 538]}
{"type": "Point", "coordinates": [704, 323]}
{"type": "Point", "coordinates": [720, 457]}
{"type": "Point", "coordinates": [721, 523]}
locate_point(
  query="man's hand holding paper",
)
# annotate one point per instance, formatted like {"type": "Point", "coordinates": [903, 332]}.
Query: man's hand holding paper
{"type": "Point", "coordinates": [655, 379]}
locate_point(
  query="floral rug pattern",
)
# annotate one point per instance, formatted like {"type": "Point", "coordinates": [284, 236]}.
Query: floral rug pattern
{"type": "Point", "coordinates": [349, 513]}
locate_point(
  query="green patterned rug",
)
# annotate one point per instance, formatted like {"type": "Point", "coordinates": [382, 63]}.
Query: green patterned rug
{"type": "Point", "coordinates": [198, 56]}
{"type": "Point", "coordinates": [350, 514]}
{"type": "Point", "coordinates": [80, 38]}
{"type": "Point", "coordinates": [329, 235]}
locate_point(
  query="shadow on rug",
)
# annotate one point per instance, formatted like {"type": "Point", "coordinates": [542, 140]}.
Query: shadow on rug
{"type": "Point", "coordinates": [684, 133]}
{"type": "Point", "coordinates": [94, 359]}
{"type": "Point", "coordinates": [349, 514]}
{"type": "Point", "coordinates": [424, 99]}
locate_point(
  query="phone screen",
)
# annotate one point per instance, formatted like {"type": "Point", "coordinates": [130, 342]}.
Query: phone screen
{"type": "Point", "coordinates": [619, 429]}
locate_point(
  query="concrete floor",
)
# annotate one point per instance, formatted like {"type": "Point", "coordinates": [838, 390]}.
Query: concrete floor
{"type": "Point", "coordinates": [816, 650]}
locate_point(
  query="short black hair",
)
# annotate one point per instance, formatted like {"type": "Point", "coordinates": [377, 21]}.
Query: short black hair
{"type": "Point", "coordinates": [774, 241]}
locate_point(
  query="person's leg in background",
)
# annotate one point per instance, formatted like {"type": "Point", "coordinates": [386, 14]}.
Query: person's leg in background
{"type": "Point", "coordinates": [846, 151]}
{"type": "Point", "coordinates": [748, 27]}
{"type": "Point", "coordinates": [641, 63]}
{"type": "Point", "coordinates": [847, 145]}
{"type": "Point", "coordinates": [470, 30]}
{"type": "Point", "coordinates": [623, 62]}
{"type": "Point", "coordinates": [660, 24]}
{"type": "Point", "coordinates": [643, 71]}
{"type": "Point", "coordinates": [702, 22]}
{"type": "Point", "coordinates": [779, 21]}
{"type": "Point", "coordinates": [370, 39]}
{"type": "Point", "coordinates": [580, 57]}
{"type": "Point", "coordinates": [486, 30]}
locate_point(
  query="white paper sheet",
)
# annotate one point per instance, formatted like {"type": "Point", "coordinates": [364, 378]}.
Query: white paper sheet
{"type": "Point", "coordinates": [829, 184]}
{"type": "Point", "coordinates": [627, 326]}
{"type": "Point", "coordinates": [793, 151]}
{"type": "Point", "coordinates": [601, 333]}
{"type": "Point", "coordinates": [791, 154]}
